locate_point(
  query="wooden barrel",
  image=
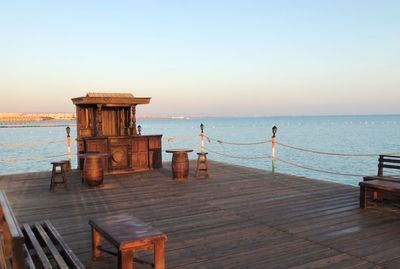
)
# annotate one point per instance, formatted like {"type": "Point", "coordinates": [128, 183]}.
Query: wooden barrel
{"type": "Point", "coordinates": [180, 165]}
{"type": "Point", "coordinates": [93, 171]}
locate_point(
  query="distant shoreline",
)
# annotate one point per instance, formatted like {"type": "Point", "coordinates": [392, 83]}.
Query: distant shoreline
{"type": "Point", "coordinates": [10, 118]}
{"type": "Point", "coordinates": [33, 120]}
{"type": "Point", "coordinates": [30, 120]}
{"type": "Point", "coordinates": [35, 117]}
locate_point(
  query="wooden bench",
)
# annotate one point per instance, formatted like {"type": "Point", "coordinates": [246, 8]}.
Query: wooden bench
{"type": "Point", "coordinates": [380, 186]}
{"type": "Point", "coordinates": [34, 245]}
{"type": "Point", "coordinates": [129, 235]}
{"type": "Point", "coordinates": [386, 162]}
{"type": "Point", "coordinates": [381, 183]}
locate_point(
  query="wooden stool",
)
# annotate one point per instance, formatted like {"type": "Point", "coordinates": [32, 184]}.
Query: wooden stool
{"type": "Point", "coordinates": [63, 167]}
{"type": "Point", "coordinates": [202, 165]}
{"type": "Point", "coordinates": [129, 235]}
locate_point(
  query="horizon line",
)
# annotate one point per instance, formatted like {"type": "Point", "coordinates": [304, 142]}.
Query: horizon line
{"type": "Point", "coordinates": [226, 116]}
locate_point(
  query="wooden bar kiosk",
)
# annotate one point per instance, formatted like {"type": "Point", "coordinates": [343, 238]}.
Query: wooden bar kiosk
{"type": "Point", "coordinates": [106, 123]}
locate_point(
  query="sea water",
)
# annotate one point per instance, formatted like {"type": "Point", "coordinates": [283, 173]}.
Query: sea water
{"type": "Point", "coordinates": [226, 139]}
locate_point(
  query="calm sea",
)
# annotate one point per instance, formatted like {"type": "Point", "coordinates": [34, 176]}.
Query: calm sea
{"type": "Point", "coordinates": [23, 149]}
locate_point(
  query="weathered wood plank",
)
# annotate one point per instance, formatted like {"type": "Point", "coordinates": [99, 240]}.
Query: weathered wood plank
{"type": "Point", "coordinates": [240, 218]}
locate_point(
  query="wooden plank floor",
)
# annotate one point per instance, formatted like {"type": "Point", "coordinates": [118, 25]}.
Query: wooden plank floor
{"type": "Point", "coordinates": [240, 218]}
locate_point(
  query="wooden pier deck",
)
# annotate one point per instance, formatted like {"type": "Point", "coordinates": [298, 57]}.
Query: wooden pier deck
{"type": "Point", "coordinates": [240, 218]}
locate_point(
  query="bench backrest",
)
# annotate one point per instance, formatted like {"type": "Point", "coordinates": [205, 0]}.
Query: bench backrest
{"type": "Point", "coordinates": [388, 161]}
{"type": "Point", "coordinates": [14, 248]}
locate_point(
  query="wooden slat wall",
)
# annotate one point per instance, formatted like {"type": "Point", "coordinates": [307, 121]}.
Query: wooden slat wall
{"type": "Point", "coordinates": [109, 122]}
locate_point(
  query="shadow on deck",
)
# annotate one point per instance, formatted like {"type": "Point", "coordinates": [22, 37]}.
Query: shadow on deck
{"type": "Point", "coordinates": [240, 218]}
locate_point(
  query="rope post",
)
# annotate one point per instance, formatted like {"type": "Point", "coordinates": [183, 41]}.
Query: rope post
{"type": "Point", "coordinates": [273, 144]}
{"type": "Point", "coordinates": [68, 130]}
{"type": "Point", "coordinates": [202, 137]}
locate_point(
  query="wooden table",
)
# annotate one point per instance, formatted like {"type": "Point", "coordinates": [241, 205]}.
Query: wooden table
{"type": "Point", "coordinates": [93, 168]}
{"type": "Point", "coordinates": [180, 163]}
{"type": "Point", "coordinates": [129, 235]}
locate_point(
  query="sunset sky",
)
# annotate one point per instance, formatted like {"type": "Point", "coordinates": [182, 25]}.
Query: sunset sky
{"type": "Point", "coordinates": [204, 58]}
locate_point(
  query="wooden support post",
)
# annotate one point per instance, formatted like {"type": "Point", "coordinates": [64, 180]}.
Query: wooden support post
{"type": "Point", "coordinates": [68, 130]}
{"type": "Point", "coordinates": [376, 195]}
{"type": "Point", "coordinates": [273, 144]}
{"type": "Point", "coordinates": [132, 120]}
{"type": "Point", "coordinates": [122, 122]}
{"type": "Point", "coordinates": [99, 123]}
{"type": "Point", "coordinates": [86, 111]}
{"type": "Point", "coordinates": [380, 166]}
{"type": "Point", "coordinates": [363, 196]}
{"type": "Point", "coordinates": [202, 137]}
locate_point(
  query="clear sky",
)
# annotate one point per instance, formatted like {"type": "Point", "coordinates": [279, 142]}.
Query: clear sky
{"type": "Point", "coordinates": [204, 58]}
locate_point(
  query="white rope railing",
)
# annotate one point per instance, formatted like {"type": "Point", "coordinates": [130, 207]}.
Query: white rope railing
{"type": "Point", "coordinates": [178, 138]}
{"type": "Point", "coordinates": [35, 158]}
{"type": "Point", "coordinates": [336, 153]}
{"type": "Point", "coordinates": [318, 170]}
{"type": "Point", "coordinates": [274, 158]}
{"type": "Point", "coordinates": [236, 143]}
{"type": "Point", "coordinates": [284, 161]}
{"type": "Point", "coordinates": [221, 142]}
{"type": "Point", "coordinates": [238, 157]}
{"type": "Point", "coordinates": [32, 144]}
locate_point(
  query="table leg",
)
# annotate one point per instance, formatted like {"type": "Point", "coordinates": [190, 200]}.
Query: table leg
{"type": "Point", "coordinates": [159, 252]}
{"type": "Point", "coordinates": [96, 243]}
{"type": "Point", "coordinates": [125, 259]}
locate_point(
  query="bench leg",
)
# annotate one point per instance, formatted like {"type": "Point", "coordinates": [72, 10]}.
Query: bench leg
{"type": "Point", "coordinates": [18, 257]}
{"type": "Point", "coordinates": [125, 259]}
{"type": "Point", "coordinates": [7, 239]}
{"type": "Point", "coordinates": [96, 243]}
{"type": "Point", "coordinates": [363, 197]}
{"type": "Point", "coordinates": [159, 254]}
